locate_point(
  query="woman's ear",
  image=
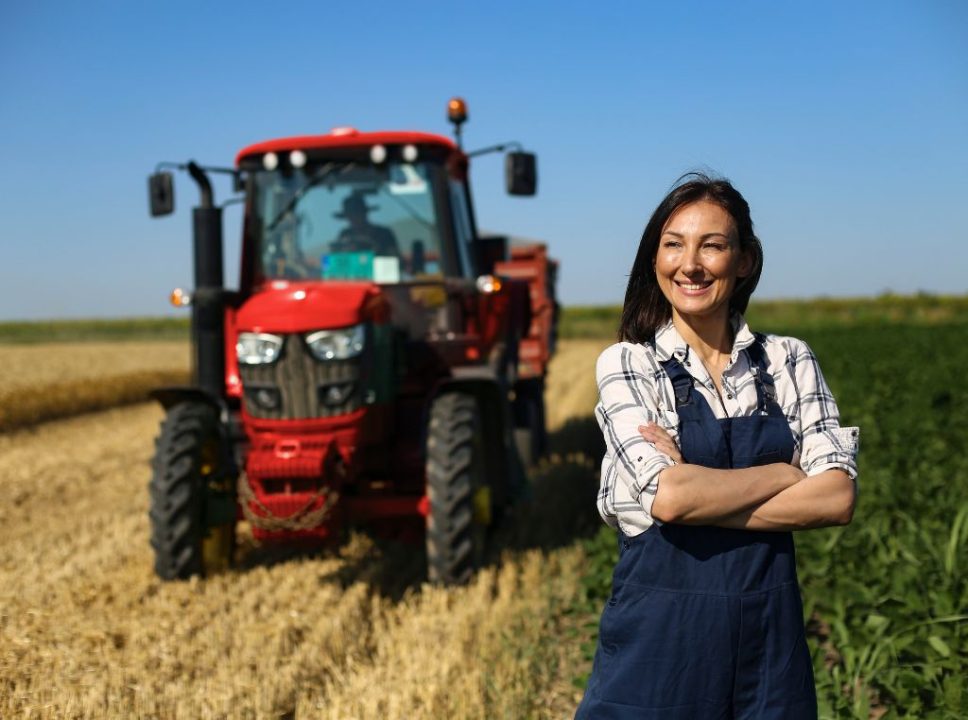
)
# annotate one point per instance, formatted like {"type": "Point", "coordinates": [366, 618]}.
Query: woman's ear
{"type": "Point", "coordinates": [746, 262]}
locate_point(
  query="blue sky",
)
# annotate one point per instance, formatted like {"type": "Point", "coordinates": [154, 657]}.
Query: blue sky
{"type": "Point", "coordinates": [844, 124]}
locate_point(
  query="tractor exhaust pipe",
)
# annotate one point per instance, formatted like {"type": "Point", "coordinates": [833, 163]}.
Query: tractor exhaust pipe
{"type": "Point", "coordinates": [208, 301]}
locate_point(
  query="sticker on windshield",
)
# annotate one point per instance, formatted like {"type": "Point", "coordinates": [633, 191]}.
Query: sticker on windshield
{"type": "Point", "coordinates": [386, 269]}
{"type": "Point", "coordinates": [347, 266]}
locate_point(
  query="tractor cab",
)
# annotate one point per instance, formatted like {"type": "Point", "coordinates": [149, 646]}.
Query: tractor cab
{"type": "Point", "coordinates": [379, 207]}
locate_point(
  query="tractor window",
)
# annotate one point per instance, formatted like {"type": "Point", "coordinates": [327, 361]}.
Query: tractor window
{"type": "Point", "coordinates": [346, 221]}
{"type": "Point", "coordinates": [462, 226]}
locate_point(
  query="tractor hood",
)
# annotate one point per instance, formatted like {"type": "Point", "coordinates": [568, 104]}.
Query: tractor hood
{"type": "Point", "coordinates": [295, 307]}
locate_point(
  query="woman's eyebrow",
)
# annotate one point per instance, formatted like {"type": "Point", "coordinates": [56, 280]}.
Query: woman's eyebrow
{"type": "Point", "coordinates": [701, 237]}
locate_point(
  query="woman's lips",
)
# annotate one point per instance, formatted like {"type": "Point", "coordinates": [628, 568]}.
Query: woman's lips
{"type": "Point", "coordinates": [693, 288]}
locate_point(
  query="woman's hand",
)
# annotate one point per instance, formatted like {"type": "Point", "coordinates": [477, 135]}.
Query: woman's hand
{"type": "Point", "coordinates": [662, 440]}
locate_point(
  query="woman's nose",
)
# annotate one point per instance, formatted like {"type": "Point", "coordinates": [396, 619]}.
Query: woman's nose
{"type": "Point", "coordinates": [691, 261]}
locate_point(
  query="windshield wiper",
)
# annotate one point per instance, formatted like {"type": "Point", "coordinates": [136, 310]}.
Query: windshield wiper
{"type": "Point", "coordinates": [315, 180]}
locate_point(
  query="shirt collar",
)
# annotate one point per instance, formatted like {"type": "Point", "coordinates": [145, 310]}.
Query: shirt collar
{"type": "Point", "coordinates": [668, 342]}
{"type": "Point", "coordinates": [742, 335]}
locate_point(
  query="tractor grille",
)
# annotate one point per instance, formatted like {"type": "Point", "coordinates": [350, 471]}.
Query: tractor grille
{"type": "Point", "coordinates": [298, 386]}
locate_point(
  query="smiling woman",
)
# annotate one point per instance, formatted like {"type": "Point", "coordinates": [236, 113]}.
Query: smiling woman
{"type": "Point", "coordinates": [699, 261]}
{"type": "Point", "coordinates": [717, 218]}
{"type": "Point", "coordinates": [719, 443]}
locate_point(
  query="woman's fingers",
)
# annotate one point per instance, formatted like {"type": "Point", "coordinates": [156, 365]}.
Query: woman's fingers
{"type": "Point", "coordinates": [662, 440]}
{"type": "Point", "coordinates": [655, 434]}
{"type": "Point", "coordinates": [673, 452]}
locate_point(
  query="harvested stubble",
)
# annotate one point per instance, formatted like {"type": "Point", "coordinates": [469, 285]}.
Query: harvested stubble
{"type": "Point", "coordinates": [54, 380]}
{"type": "Point", "coordinates": [571, 391]}
{"type": "Point", "coordinates": [86, 630]}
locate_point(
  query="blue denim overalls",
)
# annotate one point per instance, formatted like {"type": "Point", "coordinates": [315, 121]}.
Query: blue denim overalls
{"type": "Point", "coordinates": [706, 622]}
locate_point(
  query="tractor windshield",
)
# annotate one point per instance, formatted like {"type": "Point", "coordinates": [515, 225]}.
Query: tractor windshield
{"type": "Point", "coordinates": [346, 221]}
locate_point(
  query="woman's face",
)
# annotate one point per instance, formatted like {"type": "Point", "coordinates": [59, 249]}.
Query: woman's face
{"type": "Point", "coordinates": [699, 260]}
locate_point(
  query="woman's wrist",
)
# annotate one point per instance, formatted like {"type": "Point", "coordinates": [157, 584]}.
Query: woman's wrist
{"type": "Point", "coordinates": [792, 475]}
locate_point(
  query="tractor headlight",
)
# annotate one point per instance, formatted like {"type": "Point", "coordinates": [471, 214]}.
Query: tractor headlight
{"type": "Point", "coordinates": [341, 344]}
{"type": "Point", "coordinates": [258, 348]}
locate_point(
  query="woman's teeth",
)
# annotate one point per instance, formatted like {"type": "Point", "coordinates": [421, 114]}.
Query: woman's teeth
{"type": "Point", "coordinates": [693, 286]}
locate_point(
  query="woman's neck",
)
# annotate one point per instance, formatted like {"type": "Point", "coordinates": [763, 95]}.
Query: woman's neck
{"type": "Point", "coordinates": [711, 337]}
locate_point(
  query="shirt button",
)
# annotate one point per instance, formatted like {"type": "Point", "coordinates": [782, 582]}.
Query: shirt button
{"type": "Point", "coordinates": [729, 396]}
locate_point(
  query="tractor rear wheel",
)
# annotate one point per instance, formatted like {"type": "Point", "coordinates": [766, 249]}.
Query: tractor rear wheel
{"type": "Point", "coordinates": [192, 495]}
{"type": "Point", "coordinates": [459, 501]}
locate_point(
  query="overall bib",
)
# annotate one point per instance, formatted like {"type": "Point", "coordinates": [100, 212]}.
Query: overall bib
{"type": "Point", "coordinates": [706, 622]}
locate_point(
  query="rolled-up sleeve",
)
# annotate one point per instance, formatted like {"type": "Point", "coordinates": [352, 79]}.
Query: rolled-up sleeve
{"type": "Point", "coordinates": [825, 445]}
{"type": "Point", "coordinates": [627, 399]}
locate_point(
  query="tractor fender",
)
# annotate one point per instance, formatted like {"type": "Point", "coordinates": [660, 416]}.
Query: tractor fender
{"type": "Point", "coordinates": [485, 385]}
{"type": "Point", "coordinates": [228, 428]}
{"type": "Point", "coordinates": [174, 394]}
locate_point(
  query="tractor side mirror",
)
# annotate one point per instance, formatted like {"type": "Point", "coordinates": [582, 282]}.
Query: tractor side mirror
{"type": "Point", "coordinates": [521, 173]}
{"type": "Point", "coordinates": [161, 194]}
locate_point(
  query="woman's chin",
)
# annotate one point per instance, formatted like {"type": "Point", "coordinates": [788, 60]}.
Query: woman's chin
{"type": "Point", "coordinates": [701, 309]}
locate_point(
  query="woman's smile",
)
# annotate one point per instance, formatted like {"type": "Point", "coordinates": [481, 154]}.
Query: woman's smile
{"type": "Point", "coordinates": [694, 288]}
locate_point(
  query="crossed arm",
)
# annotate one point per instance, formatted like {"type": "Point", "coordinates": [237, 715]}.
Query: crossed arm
{"type": "Point", "coordinates": [769, 497]}
{"type": "Point", "coordinates": [645, 467]}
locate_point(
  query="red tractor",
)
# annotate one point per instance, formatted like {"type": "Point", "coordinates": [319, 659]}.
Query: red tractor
{"type": "Point", "coordinates": [376, 364]}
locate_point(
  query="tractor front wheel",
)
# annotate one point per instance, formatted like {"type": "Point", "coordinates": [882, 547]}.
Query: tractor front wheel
{"type": "Point", "coordinates": [192, 495]}
{"type": "Point", "coordinates": [459, 501]}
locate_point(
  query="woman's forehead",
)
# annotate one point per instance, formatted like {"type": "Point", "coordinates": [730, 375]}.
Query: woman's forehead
{"type": "Point", "coordinates": [700, 217]}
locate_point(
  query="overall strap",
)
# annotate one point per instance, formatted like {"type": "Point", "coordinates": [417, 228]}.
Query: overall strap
{"type": "Point", "coordinates": [759, 366]}
{"type": "Point", "coordinates": [681, 381]}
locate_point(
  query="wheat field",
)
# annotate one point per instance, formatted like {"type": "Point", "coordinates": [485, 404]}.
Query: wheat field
{"type": "Point", "coordinates": [88, 631]}
{"type": "Point", "coordinates": [52, 380]}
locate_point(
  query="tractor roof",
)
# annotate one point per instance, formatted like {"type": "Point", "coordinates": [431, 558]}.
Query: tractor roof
{"type": "Point", "coordinates": [346, 138]}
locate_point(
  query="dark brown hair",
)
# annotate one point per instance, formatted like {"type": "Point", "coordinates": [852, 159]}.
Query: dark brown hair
{"type": "Point", "coordinates": [646, 308]}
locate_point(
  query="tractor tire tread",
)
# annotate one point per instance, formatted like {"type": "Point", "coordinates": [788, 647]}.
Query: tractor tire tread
{"type": "Point", "coordinates": [177, 498]}
{"type": "Point", "coordinates": [453, 427]}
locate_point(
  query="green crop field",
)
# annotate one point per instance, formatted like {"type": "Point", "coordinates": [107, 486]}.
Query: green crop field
{"type": "Point", "coordinates": [126, 329]}
{"type": "Point", "coordinates": [887, 596]}
{"type": "Point", "coordinates": [817, 314]}
{"type": "Point", "coordinates": [575, 322]}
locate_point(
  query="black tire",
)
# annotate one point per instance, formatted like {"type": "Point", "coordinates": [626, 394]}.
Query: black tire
{"type": "Point", "coordinates": [188, 471]}
{"type": "Point", "coordinates": [530, 436]}
{"type": "Point", "coordinates": [455, 490]}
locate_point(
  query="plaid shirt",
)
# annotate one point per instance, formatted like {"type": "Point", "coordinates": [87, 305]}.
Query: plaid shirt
{"type": "Point", "coordinates": [634, 389]}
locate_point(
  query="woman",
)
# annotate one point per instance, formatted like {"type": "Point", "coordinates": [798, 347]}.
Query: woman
{"type": "Point", "coordinates": [720, 442]}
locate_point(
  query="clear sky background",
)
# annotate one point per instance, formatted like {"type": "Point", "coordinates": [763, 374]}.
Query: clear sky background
{"type": "Point", "coordinates": [844, 124]}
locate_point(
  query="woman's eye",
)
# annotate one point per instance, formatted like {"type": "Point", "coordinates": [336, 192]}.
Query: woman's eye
{"type": "Point", "coordinates": [719, 247]}
{"type": "Point", "coordinates": [671, 244]}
